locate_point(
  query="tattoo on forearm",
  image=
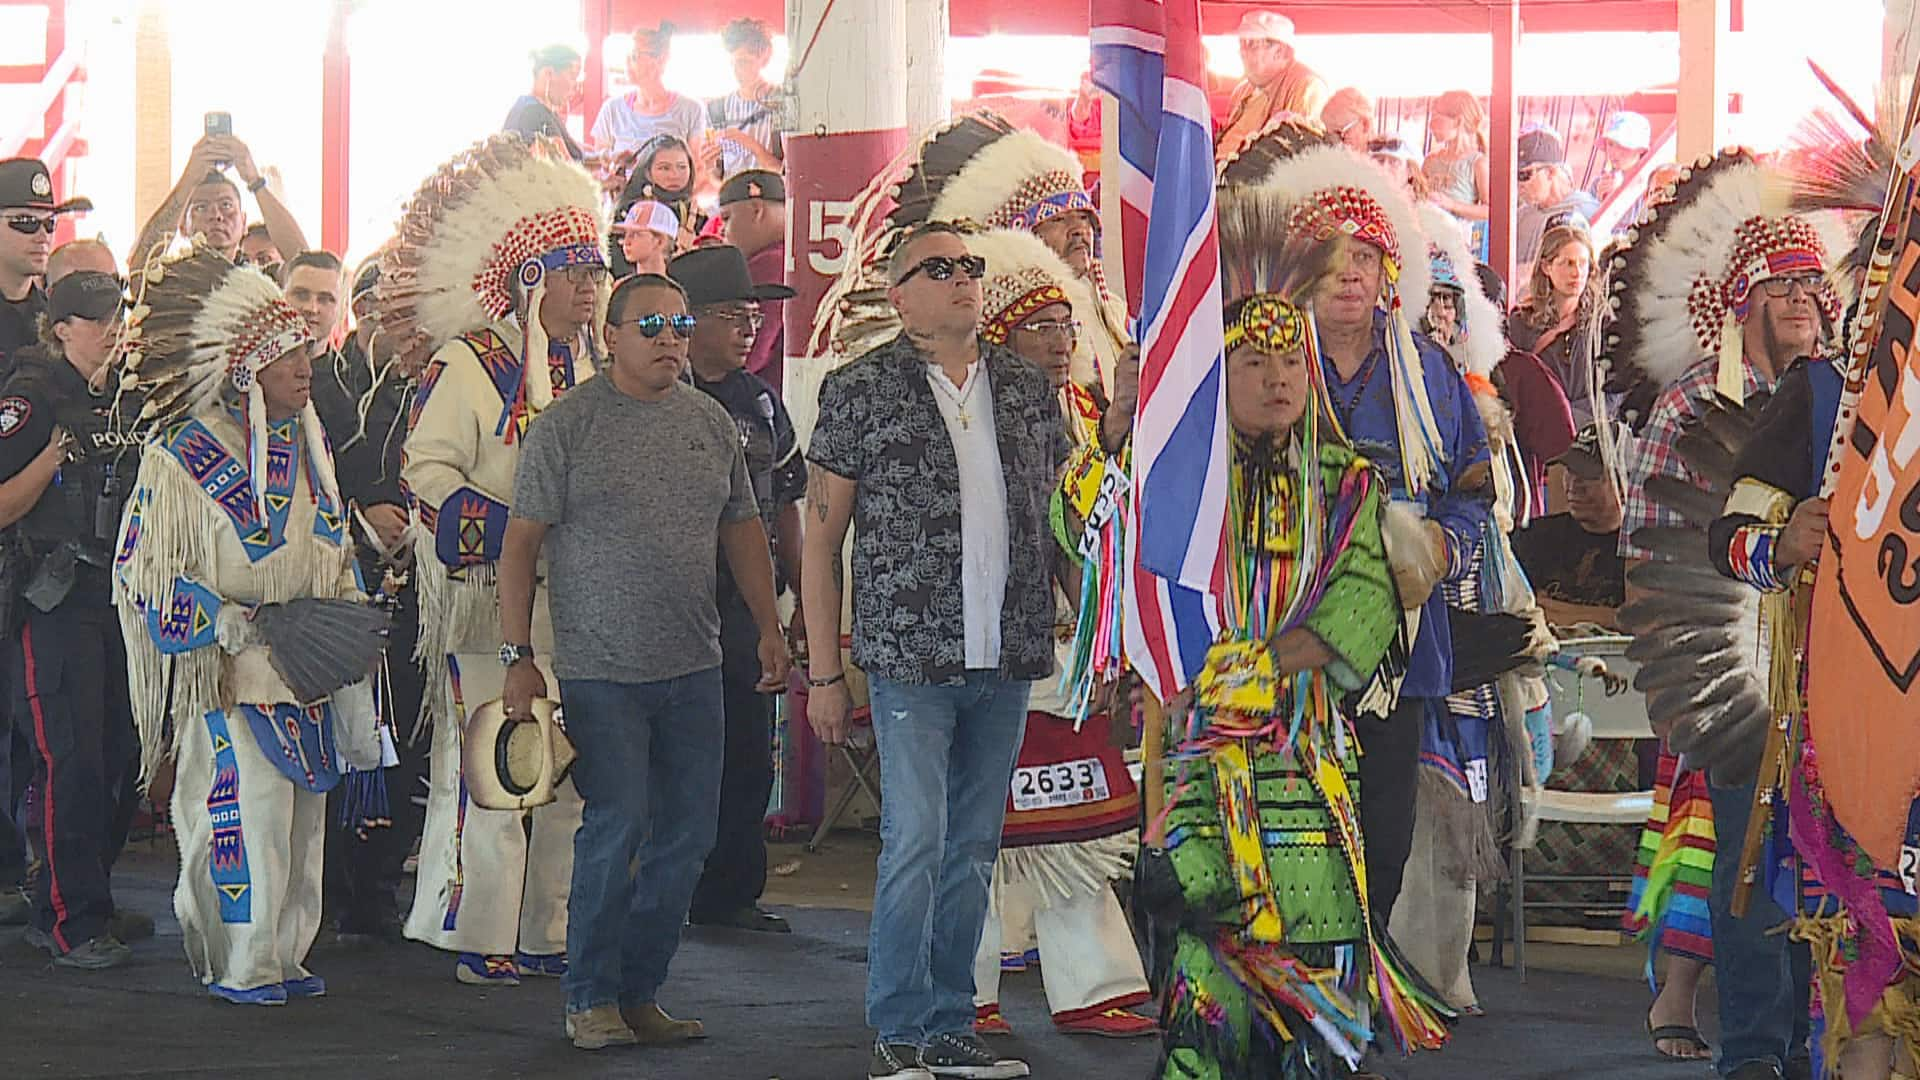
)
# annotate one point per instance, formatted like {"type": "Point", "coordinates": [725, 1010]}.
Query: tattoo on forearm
{"type": "Point", "coordinates": [817, 494]}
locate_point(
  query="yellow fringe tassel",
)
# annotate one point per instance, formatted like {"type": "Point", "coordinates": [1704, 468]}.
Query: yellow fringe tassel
{"type": "Point", "coordinates": [1896, 1014]}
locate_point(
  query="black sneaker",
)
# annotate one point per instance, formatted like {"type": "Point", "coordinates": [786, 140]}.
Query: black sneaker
{"type": "Point", "coordinates": [896, 1061]}
{"type": "Point", "coordinates": [966, 1057]}
{"type": "Point", "coordinates": [97, 954]}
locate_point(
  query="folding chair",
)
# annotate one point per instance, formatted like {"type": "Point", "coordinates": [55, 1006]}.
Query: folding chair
{"type": "Point", "coordinates": [862, 755]}
{"type": "Point", "coordinates": [1620, 717]}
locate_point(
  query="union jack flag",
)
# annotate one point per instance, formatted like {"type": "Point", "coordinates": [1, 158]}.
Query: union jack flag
{"type": "Point", "coordinates": [1148, 55]}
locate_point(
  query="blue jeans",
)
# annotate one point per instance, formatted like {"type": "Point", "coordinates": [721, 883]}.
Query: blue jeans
{"type": "Point", "coordinates": [946, 762]}
{"type": "Point", "coordinates": [1763, 979]}
{"type": "Point", "coordinates": [648, 773]}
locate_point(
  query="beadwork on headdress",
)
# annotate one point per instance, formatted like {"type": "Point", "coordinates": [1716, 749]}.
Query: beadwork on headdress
{"type": "Point", "coordinates": [1355, 213]}
{"type": "Point", "coordinates": [1763, 248]}
{"type": "Point", "coordinates": [1269, 323]}
{"type": "Point", "coordinates": [505, 210]}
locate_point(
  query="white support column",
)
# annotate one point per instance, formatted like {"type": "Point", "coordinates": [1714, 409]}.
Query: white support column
{"type": "Point", "coordinates": [850, 120]}
{"type": "Point", "coordinates": [927, 102]}
{"type": "Point", "coordinates": [1702, 88]}
{"type": "Point", "coordinates": [153, 109]}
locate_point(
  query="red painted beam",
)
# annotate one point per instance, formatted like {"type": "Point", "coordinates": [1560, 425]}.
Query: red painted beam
{"type": "Point", "coordinates": [981, 17]}
{"type": "Point", "coordinates": [336, 129]}
{"type": "Point", "coordinates": [1503, 109]}
{"type": "Point", "coordinates": [596, 16]}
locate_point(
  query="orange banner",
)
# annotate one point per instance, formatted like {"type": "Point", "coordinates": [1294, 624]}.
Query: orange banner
{"type": "Point", "coordinates": [1863, 645]}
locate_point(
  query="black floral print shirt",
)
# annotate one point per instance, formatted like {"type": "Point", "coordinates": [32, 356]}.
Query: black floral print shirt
{"type": "Point", "coordinates": [880, 427]}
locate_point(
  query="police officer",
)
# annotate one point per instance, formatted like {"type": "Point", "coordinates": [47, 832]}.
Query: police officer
{"type": "Point", "coordinates": [68, 461]}
{"type": "Point", "coordinates": [28, 217]}
{"type": "Point", "coordinates": [725, 304]}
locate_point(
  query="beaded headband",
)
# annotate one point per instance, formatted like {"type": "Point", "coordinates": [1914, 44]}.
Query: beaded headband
{"type": "Point", "coordinates": [1040, 199]}
{"type": "Point", "coordinates": [534, 245]}
{"type": "Point", "coordinates": [1764, 248]}
{"type": "Point", "coordinates": [264, 335]}
{"type": "Point", "coordinates": [1353, 212]}
{"type": "Point", "coordinates": [998, 324]}
{"type": "Point", "coordinates": [1269, 323]}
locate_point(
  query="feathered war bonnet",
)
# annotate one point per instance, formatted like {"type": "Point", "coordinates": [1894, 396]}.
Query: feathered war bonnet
{"type": "Point", "coordinates": [493, 222]}
{"type": "Point", "coordinates": [1333, 192]}
{"type": "Point", "coordinates": [1684, 279]}
{"type": "Point", "coordinates": [202, 328]}
{"type": "Point", "coordinates": [977, 169]}
{"type": "Point", "coordinates": [1024, 276]}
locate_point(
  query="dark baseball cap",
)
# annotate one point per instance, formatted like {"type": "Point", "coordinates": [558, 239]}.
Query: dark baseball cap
{"type": "Point", "coordinates": [1567, 219]}
{"type": "Point", "coordinates": [88, 294]}
{"type": "Point", "coordinates": [753, 184]}
{"type": "Point", "coordinates": [25, 182]}
{"type": "Point", "coordinates": [1538, 146]}
{"type": "Point", "coordinates": [1584, 458]}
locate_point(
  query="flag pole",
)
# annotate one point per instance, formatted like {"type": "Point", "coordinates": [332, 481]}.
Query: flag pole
{"type": "Point", "coordinates": [1153, 788]}
{"type": "Point", "coordinates": [1113, 248]}
{"type": "Point", "coordinates": [1873, 299]}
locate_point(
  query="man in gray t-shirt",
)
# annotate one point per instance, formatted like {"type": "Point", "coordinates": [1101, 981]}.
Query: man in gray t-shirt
{"type": "Point", "coordinates": [630, 482]}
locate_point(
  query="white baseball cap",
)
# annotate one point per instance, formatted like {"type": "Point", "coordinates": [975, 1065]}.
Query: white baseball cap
{"type": "Point", "coordinates": [1629, 130]}
{"type": "Point", "coordinates": [650, 216]}
{"type": "Point", "coordinates": [1267, 26]}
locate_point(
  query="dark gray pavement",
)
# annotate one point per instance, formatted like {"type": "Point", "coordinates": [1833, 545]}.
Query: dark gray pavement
{"type": "Point", "coordinates": [775, 1007]}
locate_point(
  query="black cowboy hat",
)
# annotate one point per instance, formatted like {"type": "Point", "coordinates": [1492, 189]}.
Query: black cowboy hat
{"type": "Point", "coordinates": [25, 182]}
{"type": "Point", "coordinates": [718, 273]}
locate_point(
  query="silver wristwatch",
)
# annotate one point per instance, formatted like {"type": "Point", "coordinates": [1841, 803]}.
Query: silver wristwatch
{"type": "Point", "coordinates": [513, 654]}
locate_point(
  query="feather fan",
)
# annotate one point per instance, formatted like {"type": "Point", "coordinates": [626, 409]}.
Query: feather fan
{"type": "Point", "coordinates": [318, 646]}
{"type": "Point", "coordinates": [1696, 634]}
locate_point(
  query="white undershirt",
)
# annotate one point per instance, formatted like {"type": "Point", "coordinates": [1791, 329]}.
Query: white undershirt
{"type": "Point", "coordinates": [983, 510]}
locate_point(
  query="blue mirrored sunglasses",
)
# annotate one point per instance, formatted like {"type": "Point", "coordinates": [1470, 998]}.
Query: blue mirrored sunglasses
{"type": "Point", "coordinates": [651, 326]}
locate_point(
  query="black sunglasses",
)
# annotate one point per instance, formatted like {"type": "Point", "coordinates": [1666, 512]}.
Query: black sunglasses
{"type": "Point", "coordinates": [28, 224]}
{"type": "Point", "coordinates": [651, 326]}
{"type": "Point", "coordinates": [941, 267]}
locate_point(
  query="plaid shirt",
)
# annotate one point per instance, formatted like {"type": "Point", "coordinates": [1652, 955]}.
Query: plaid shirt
{"type": "Point", "coordinates": [1654, 451]}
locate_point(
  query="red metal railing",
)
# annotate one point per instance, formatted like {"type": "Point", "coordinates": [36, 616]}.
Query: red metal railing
{"type": "Point", "coordinates": [49, 131]}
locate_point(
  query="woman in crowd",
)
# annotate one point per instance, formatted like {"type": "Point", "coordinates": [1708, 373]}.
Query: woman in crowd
{"type": "Point", "coordinates": [1402, 162]}
{"type": "Point", "coordinates": [1348, 116]}
{"type": "Point", "coordinates": [1456, 170]}
{"type": "Point", "coordinates": [1551, 321]}
{"type": "Point", "coordinates": [664, 172]}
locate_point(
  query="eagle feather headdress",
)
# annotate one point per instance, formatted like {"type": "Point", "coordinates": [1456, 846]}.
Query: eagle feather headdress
{"type": "Point", "coordinates": [1679, 288]}
{"type": "Point", "coordinates": [1684, 277]}
{"type": "Point", "coordinates": [1023, 276]}
{"type": "Point", "coordinates": [202, 330]}
{"type": "Point", "coordinates": [977, 168]}
{"type": "Point", "coordinates": [1334, 191]}
{"type": "Point", "coordinates": [493, 221]}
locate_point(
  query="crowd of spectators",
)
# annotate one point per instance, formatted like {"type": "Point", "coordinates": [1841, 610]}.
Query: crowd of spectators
{"type": "Point", "coordinates": [682, 175]}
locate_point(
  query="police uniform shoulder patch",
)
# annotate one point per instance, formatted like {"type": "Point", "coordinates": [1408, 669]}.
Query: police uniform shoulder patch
{"type": "Point", "coordinates": [14, 411]}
